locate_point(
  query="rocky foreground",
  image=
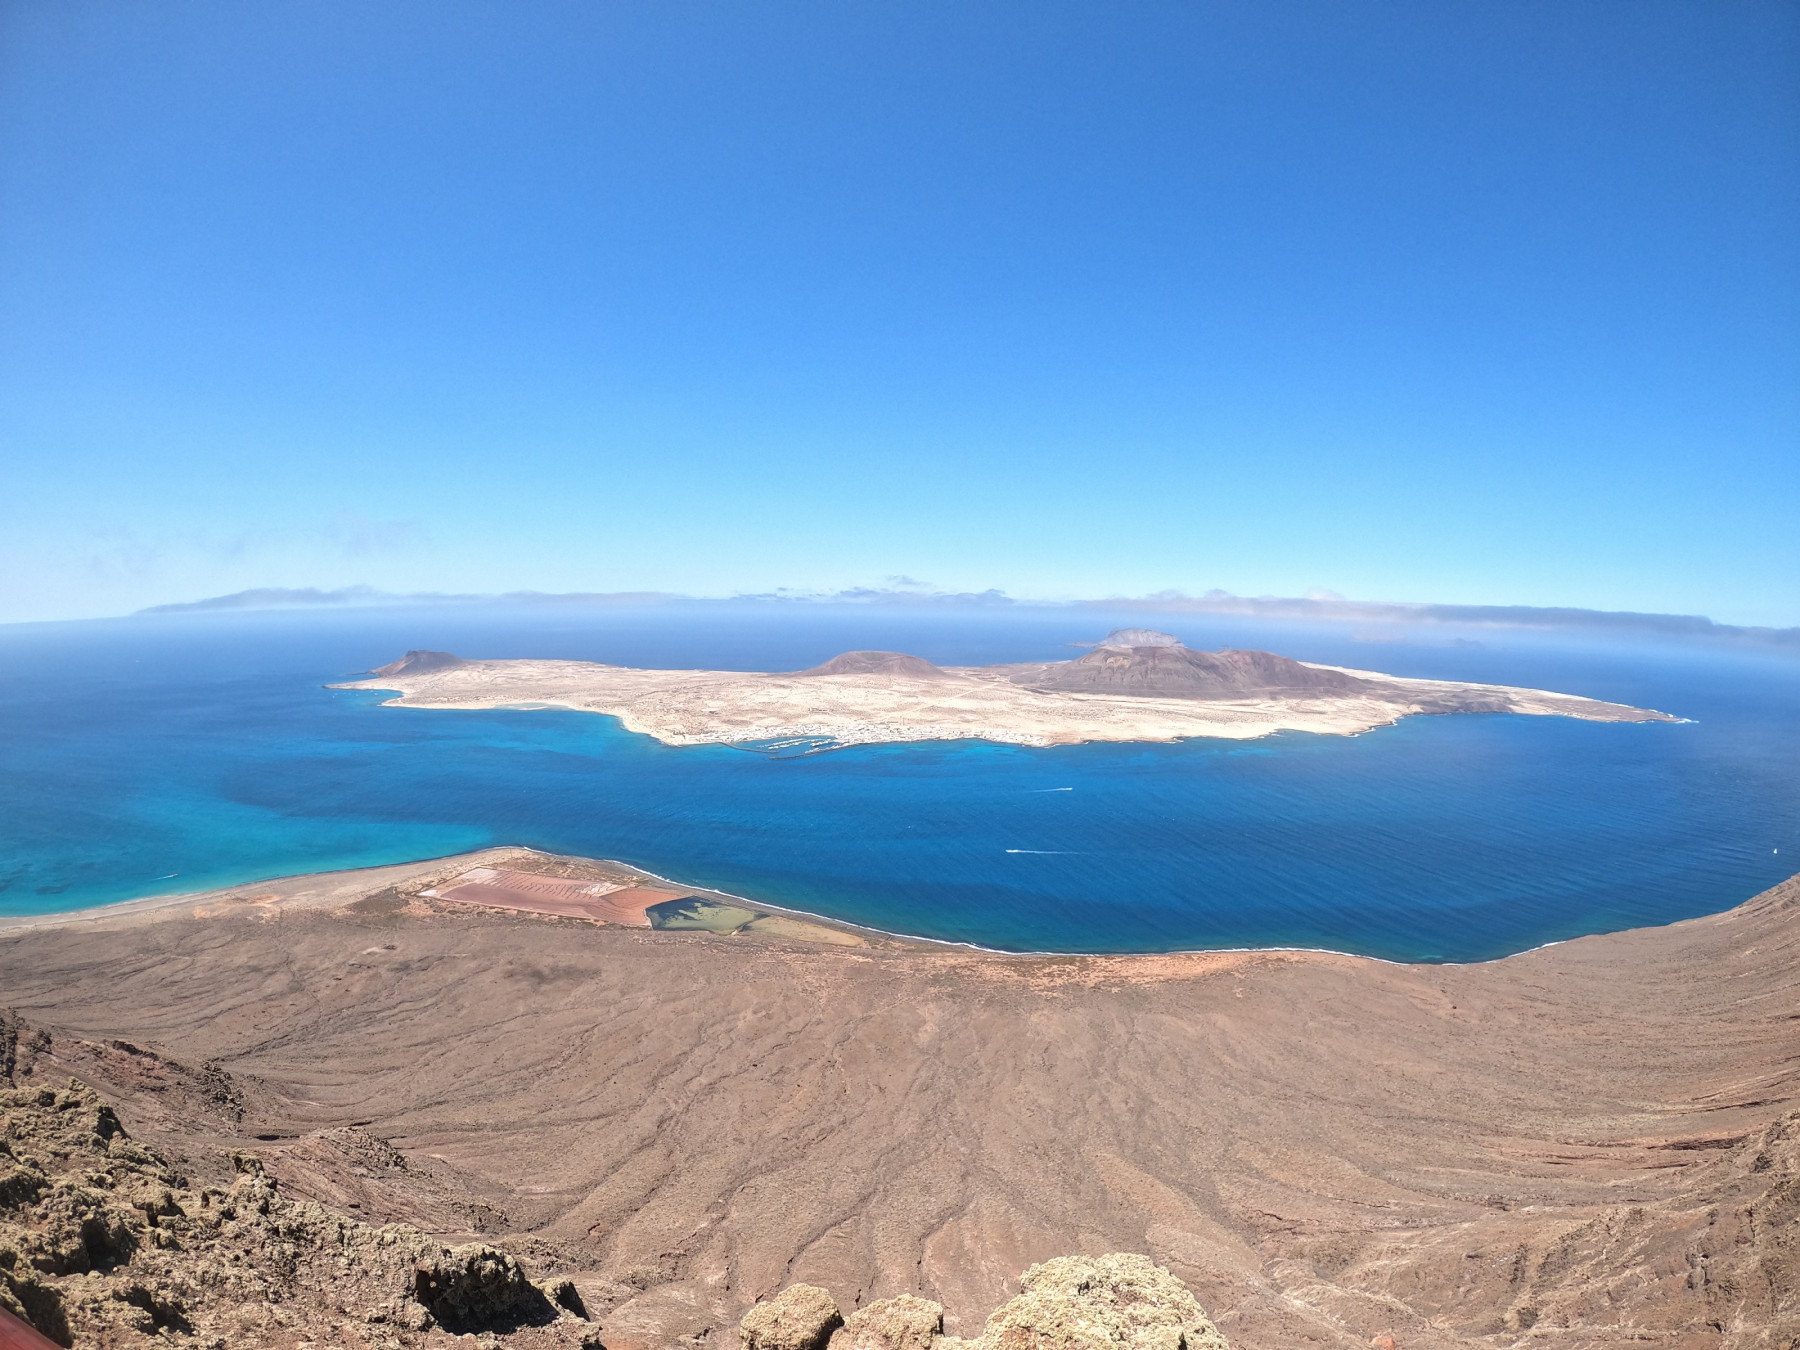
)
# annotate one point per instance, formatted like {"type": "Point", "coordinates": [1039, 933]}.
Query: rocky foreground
{"type": "Point", "coordinates": [105, 1243]}
{"type": "Point", "coordinates": [1117, 1302]}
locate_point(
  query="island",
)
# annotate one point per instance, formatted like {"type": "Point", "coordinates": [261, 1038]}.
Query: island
{"type": "Point", "coordinates": [1135, 685]}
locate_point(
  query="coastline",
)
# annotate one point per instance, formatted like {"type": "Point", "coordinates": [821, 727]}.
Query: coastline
{"type": "Point", "coordinates": [342, 887]}
{"type": "Point", "coordinates": [1331, 1150]}
{"type": "Point", "coordinates": [330, 889]}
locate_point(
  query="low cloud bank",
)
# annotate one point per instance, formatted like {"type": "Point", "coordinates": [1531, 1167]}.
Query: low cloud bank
{"type": "Point", "coordinates": [1621, 623]}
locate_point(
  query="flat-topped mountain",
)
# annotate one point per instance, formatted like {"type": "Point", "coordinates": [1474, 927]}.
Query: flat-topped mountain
{"type": "Point", "coordinates": [1153, 690]}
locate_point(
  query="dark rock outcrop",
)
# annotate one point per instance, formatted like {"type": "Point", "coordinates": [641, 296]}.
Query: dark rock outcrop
{"type": "Point", "coordinates": [476, 1286]}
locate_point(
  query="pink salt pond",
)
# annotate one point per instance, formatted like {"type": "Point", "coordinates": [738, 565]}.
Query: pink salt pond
{"type": "Point", "coordinates": [607, 902]}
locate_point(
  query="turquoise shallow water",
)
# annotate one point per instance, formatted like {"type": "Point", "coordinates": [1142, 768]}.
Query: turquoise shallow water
{"type": "Point", "coordinates": [206, 747]}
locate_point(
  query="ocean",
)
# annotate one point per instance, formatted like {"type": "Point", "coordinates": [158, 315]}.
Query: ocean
{"type": "Point", "coordinates": [167, 754]}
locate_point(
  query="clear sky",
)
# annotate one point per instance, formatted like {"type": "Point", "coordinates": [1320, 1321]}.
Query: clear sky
{"type": "Point", "coordinates": [1470, 302]}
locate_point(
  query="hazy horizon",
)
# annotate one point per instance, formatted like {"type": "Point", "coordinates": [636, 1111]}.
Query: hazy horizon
{"type": "Point", "coordinates": [1374, 620]}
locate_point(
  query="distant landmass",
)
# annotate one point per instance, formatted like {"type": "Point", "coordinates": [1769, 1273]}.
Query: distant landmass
{"type": "Point", "coordinates": [1692, 627]}
{"type": "Point", "coordinates": [1154, 689]}
{"type": "Point", "coordinates": [1137, 637]}
{"type": "Point", "coordinates": [348, 597]}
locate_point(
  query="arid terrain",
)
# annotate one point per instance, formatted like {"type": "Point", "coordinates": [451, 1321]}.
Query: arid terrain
{"type": "Point", "coordinates": [1591, 1144]}
{"type": "Point", "coordinates": [1155, 691]}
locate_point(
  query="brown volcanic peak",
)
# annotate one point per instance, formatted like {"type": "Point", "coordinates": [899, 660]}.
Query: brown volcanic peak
{"type": "Point", "coordinates": [420, 662]}
{"type": "Point", "coordinates": [1176, 672]}
{"type": "Point", "coordinates": [878, 663]}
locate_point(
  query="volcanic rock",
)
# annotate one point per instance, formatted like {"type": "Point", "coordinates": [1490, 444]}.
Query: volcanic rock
{"type": "Point", "coordinates": [800, 1317]}
{"type": "Point", "coordinates": [477, 1285]}
{"type": "Point", "coordinates": [104, 1242]}
{"type": "Point", "coordinates": [907, 1322]}
{"type": "Point", "coordinates": [1100, 1303]}
{"type": "Point", "coordinates": [1120, 1302]}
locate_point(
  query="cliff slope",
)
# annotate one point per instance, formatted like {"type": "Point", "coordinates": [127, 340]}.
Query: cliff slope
{"type": "Point", "coordinates": [1590, 1145]}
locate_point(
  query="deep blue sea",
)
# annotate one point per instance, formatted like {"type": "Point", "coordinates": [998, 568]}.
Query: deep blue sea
{"type": "Point", "coordinates": [165, 754]}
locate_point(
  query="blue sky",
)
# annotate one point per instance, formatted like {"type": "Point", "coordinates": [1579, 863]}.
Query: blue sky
{"type": "Point", "coordinates": [1463, 303]}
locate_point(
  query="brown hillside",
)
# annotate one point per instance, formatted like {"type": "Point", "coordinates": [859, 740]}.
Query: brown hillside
{"type": "Point", "coordinates": [878, 663]}
{"type": "Point", "coordinates": [1176, 672]}
{"type": "Point", "coordinates": [419, 662]}
{"type": "Point", "coordinates": [1589, 1146]}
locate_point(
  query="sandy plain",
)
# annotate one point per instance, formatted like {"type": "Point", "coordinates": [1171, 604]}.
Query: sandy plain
{"type": "Point", "coordinates": [1591, 1144]}
{"type": "Point", "coordinates": [697, 707]}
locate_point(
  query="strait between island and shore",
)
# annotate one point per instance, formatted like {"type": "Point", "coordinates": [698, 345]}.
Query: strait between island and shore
{"type": "Point", "coordinates": [641, 1107]}
{"type": "Point", "coordinates": [680, 1102]}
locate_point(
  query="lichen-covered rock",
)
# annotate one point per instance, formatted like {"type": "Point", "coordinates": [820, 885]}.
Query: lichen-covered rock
{"type": "Point", "coordinates": [1101, 1303]}
{"type": "Point", "coordinates": [907, 1322]}
{"type": "Point", "coordinates": [20, 1184]}
{"type": "Point", "coordinates": [563, 1294]}
{"type": "Point", "coordinates": [1117, 1302]}
{"type": "Point", "coordinates": [800, 1317]}
{"type": "Point", "coordinates": [28, 1297]}
{"type": "Point", "coordinates": [104, 1243]}
{"type": "Point", "coordinates": [478, 1285]}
